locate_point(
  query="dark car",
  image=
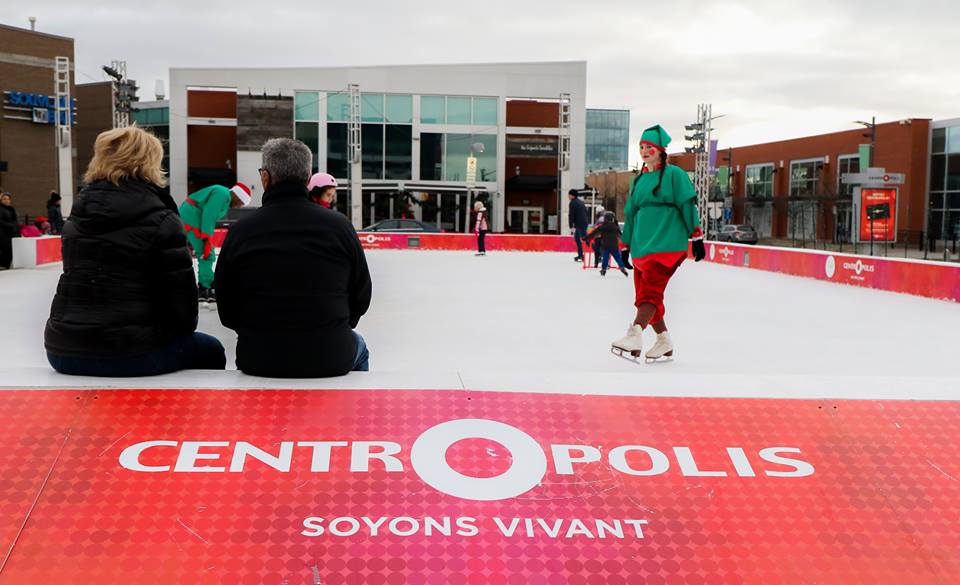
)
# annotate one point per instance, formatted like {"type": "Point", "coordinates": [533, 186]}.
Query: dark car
{"type": "Point", "coordinates": [401, 226]}
{"type": "Point", "coordinates": [738, 233]}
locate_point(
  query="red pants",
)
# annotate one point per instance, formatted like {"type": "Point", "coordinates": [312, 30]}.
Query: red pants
{"type": "Point", "coordinates": [650, 278]}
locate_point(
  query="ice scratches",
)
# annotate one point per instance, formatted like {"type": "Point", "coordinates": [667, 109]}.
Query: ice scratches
{"type": "Point", "coordinates": [937, 467]}
{"type": "Point", "coordinates": [316, 574]}
{"type": "Point", "coordinates": [191, 531]}
{"type": "Point", "coordinates": [110, 446]}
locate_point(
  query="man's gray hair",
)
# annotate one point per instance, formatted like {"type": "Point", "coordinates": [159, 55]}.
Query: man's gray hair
{"type": "Point", "coordinates": [287, 160]}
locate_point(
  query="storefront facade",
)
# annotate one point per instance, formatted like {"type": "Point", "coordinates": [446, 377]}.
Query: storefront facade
{"type": "Point", "coordinates": [419, 128]}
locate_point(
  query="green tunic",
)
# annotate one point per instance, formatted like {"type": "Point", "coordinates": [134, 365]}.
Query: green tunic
{"type": "Point", "coordinates": [663, 222]}
{"type": "Point", "coordinates": [200, 220]}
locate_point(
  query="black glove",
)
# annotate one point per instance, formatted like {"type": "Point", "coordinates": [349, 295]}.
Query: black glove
{"type": "Point", "coordinates": [699, 252]}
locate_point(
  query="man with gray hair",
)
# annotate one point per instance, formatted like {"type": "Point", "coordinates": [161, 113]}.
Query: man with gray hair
{"type": "Point", "coordinates": [292, 279]}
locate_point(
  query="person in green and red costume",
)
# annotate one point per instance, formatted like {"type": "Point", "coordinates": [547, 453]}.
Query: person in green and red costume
{"type": "Point", "coordinates": [200, 213]}
{"type": "Point", "coordinates": [661, 216]}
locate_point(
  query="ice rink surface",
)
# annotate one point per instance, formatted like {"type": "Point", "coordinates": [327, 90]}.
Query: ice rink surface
{"type": "Point", "coordinates": [537, 322]}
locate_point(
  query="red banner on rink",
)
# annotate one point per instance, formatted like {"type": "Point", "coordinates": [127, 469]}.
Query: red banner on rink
{"type": "Point", "coordinates": [423, 487]}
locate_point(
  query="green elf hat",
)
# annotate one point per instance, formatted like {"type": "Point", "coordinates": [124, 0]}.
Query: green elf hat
{"type": "Point", "coordinates": [656, 137]}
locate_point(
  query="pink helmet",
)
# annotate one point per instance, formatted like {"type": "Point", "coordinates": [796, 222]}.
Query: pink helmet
{"type": "Point", "coordinates": [321, 180]}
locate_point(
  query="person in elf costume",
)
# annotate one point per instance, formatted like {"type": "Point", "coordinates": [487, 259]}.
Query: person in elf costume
{"type": "Point", "coordinates": [661, 216]}
{"type": "Point", "coordinates": [200, 213]}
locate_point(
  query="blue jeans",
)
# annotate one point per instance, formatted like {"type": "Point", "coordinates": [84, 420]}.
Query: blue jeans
{"type": "Point", "coordinates": [361, 363]}
{"type": "Point", "coordinates": [616, 256]}
{"type": "Point", "coordinates": [196, 351]}
{"type": "Point", "coordinates": [578, 235]}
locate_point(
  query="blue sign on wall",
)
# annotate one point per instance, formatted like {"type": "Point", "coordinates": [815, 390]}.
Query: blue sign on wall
{"type": "Point", "coordinates": [42, 108]}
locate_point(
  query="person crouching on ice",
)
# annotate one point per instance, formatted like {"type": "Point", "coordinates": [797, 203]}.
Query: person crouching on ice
{"type": "Point", "coordinates": [607, 236]}
{"type": "Point", "coordinates": [661, 215]}
{"type": "Point", "coordinates": [322, 189]}
{"type": "Point", "coordinates": [200, 213]}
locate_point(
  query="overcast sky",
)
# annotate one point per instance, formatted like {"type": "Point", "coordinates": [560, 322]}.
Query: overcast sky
{"type": "Point", "coordinates": [776, 69]}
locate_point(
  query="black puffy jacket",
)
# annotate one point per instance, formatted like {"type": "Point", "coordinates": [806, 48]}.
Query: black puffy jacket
{"type": "Point", "coordinates": [292, 281]}
{"type": "Point", "coordinates": [128, 285]}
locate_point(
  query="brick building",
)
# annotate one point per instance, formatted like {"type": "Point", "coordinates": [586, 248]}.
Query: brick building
{"type": "Point", "coordinates": [27, 132]}
{"type": "Point", "coordinates": [792, 188]}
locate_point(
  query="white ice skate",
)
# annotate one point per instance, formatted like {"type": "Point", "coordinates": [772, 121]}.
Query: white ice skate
{"type": "Point", "coordinates": [630, 346]}
{"type": "Point", "coordinates": [662, 349]}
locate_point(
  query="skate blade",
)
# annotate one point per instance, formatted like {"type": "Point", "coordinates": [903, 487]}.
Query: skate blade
{"type": "Point", "coordinates": [630, 356]}
{"type": "Point", "coordinates": [665, 358]}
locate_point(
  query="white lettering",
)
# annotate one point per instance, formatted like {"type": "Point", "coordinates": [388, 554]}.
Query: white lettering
{"type": "Point", "coordinates": [321, 453]}
{"type": "Point", "coordinates": [740, 462]}
{"type": "Point", "coordinates": [130, 457]}
{"type": "Point", "coordinates": [658, 461]}
{"type": "Point", "coordinates": [313, 525]}
{"type": "Point", "coordinates": [279, 462]}
{"type": "Point", "coordinates": [429, 524]}
{"type": "Point", "coordinates": [503, 529]}
{"type": "Point", "coordinates": [552, 533]}
{"type": "Point", "coordinates": [360, 456]}
{"type": "Point", "coordinates": [577, 527]}
{"type": "Point", "coordinates": [527, 468]}
{"type": "Point", "coordinates": [466, 526]}
{"type": "Point", "coordinates": [637, 526]}
{"type": "Point", "coordinates": [603, 528]}
{"type": "Point", "coordinates": [353, 522]}
{"type": "Point", "coordinates": [689, 467]}
{"type": "Point", "coordinates": [190, 454]}
{"type": "Point", "coordinates": [563, 461]}
{"type": "Point", "coordinates": [414, 526]}
{"type": "Point", "coordinates": [374, 526]}
{"type": "Point", "coordinates": [802, 468]}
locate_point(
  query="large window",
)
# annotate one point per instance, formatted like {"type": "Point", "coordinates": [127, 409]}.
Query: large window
{"type": "Point", "coordinates": [443, 157]}
{"type": "Point", "coordinates": [805, 177]}
{"type": "Point", "coordinates": [337, 163]}
{"type": "Point", "coordinates": [944, 217]}
{"type": "Point", "coordinates": [462, 110]}
{"type": "Point", "coordinates": [306, 128]}
{"type": "Point", "coordinates": [846, 164]}
{"type": "Point", "coordinates": [338, 107]}
{"type": "Point", "coordinates": [608, 140]}
{"type": "Point", "coordinates": [372, 150]}
{"type": "Point", "coordinates": [759, 181]}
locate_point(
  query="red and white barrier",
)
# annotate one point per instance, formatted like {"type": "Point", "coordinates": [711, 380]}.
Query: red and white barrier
{"type": "Point", "coordinates": [467, 242]}
{"type": "Point", "coordinates": [936, 280]}
{"type": "Point", "coordinates": [32, 252]}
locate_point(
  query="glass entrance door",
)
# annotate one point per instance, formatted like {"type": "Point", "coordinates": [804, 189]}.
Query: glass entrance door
{"type": "Point", "coordinates": [525, 220]}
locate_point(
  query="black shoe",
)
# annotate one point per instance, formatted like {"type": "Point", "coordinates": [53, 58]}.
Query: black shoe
{"type": "Point", "coordinates": [603, 272]}
{"type": "Point", "coordinates": [578, 259]}
{"type": "Point", "coordinates": [624, 271]}
{"type": "Point", "coordinates": [203, 294]}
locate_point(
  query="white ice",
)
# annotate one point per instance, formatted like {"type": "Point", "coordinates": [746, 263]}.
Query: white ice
{"type": "Point", "coordinates": [537, 322]}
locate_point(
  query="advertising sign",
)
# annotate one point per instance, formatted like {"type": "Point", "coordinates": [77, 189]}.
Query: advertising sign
{"type": "Point", "coordinates": [546, 146]}
{"type": "Point", "coordinates": [883, 225]}
{"type": "Point", "coordinates": [386, 486]}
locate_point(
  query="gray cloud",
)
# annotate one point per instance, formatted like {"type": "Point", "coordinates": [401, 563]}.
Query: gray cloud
{"type": "Point", "coordinates": [778, 69]}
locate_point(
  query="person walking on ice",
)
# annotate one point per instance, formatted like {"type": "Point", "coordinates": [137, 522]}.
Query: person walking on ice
{"type": "Point", "coordinates": [661, 215]}
{"type": "Point", "coordinates": [200, 213]}
{"type": "Point", "coordinates": [607, 235]}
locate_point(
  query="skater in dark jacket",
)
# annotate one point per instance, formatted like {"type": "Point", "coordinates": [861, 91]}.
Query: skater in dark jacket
{"type": "Point", "coordinates": [9, 229]}
{"type": "Point", "coordinates": [579, 221]}
{"type": "Point", "coordinates": [607, 236]}
{"type": "Point", "coordinates": [126, 304]}
{"type": "Point", "coordinates": [292, 279]}
{"type": "Point", "coordinates": [54, 214]}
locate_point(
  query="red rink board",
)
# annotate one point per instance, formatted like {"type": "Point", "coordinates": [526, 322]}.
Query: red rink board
{"type": "Point", "coordinates": [881, 506]}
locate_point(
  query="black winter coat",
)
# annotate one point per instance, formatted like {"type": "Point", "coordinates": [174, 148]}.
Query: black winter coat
{"type": "Point", "coordinates": [609, 234]}
{"type": "Point", "coordinates": [578, 214]}
{"type": "Point", "coordinates": [54, 216]}
{"type": "Point", "coordinates": [128, 285]}
{"type": "Point", "coordinates": [9, 224]}
{"type": "Point", "coordinates": [293, 282]}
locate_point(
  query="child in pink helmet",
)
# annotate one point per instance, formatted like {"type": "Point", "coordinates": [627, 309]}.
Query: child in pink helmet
{"type": "Point", "coordinates": [323, 189]}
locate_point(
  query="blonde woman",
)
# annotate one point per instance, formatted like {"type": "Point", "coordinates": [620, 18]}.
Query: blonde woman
{"type": "Point", "coordinates": [126, 304]}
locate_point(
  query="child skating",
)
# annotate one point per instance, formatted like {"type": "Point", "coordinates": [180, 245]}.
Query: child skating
{"type": "Point", "coordinates": [607, 236]}
{"type": "Point", "coordinates": [661, 216]}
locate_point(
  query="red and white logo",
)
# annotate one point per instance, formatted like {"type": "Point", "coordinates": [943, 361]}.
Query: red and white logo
{"type": "Point", "coordinates": [830, 268]}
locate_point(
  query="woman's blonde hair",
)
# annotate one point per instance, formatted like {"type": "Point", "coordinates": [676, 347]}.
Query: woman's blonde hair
{"type": "Point", "coordinates": [126, 153]}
